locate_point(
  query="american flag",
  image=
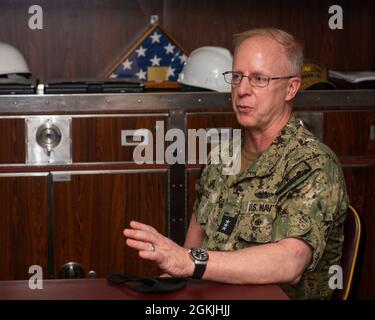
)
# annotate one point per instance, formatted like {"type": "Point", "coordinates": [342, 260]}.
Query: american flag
{"type": "Point", "coordinates": [155, 58]}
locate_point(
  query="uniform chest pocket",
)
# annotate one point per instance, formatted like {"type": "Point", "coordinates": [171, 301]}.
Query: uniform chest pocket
{"type": "Point", "coordinates": [258, 213]}
{"type": "Point", "coordinates": [256, 227]}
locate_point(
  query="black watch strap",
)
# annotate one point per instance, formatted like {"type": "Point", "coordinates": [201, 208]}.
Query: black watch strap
{"type": "Point", "coordinates": [199, 270]}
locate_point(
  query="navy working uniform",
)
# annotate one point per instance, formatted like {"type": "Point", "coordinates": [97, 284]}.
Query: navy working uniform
{"type": "Point", "coordinates": [293, 189]}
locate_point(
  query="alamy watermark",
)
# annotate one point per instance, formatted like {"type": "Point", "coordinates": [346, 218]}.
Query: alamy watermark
{"type": "Point", "coordinates": [336, 21]}
{"type": "Point", "coordinates": [336, 280]}
{"type": "Point", "coordinates": [225, 146]}
{"type": "Point", "coordinates": [36, 20]}
{"type": "Point", "coordinates": [36, 280]}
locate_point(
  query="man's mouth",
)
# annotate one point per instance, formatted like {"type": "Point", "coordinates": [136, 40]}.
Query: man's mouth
{"type": "Point", "coordinates": [244, 108]}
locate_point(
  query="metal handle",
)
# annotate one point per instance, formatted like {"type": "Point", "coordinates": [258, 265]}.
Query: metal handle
{"type": "Point", "coordinates": [71, 270]}
{"type": "Point", "coordinates": [48, 136]}
{"type": "Point", "coordinates": [92, 274]}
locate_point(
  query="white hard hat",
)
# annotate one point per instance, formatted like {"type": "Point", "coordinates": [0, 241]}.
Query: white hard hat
{"type": "Point", "coordinates": [12, 61]}
{"type": "Point", "coordinates": [204, 68]}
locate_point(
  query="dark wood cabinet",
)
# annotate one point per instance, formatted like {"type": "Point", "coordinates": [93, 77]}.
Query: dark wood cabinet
{"type": "Point", "coordinates": [91, 211]}
{"type": "Point", "coordinates": [56, 214]}
{"type": "Point", "coordinates": [98, 139]}
{"type": "Point", "coordinates": [23, 224]}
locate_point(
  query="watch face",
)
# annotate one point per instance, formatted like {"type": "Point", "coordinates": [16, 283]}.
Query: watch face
{"type": "Point", "coordinates": [199, 254]}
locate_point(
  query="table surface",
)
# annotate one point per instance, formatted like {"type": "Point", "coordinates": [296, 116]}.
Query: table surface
{"type": "Point", "coordinates": [100, 289]}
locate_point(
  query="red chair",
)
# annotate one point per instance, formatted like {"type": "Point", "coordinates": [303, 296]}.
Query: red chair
{"type": "Point", "coordinates": [350, 254]}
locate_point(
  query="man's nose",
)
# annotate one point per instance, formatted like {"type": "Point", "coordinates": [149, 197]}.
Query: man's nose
{"type": "Point", "coordinates": [244, 88]}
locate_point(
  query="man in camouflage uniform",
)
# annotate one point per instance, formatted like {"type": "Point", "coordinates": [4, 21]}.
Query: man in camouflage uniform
{"type": "Point", "coordinates": [293, 190]}
{"type": "Point", "coordinates": [280, 219]}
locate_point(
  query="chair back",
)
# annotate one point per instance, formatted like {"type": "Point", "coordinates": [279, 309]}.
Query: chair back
{"type": "Point", "coordinates": [350, 253]}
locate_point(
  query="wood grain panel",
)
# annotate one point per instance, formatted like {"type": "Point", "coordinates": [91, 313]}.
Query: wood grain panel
{"type": "Point", "coordinates": [79, 39]}
{"type": "Point", "coordinates": [348, 133]}
{"type": "Point", "coordinates": [213, 23]}
{"type": "Point", "coordinates": [85, 38]}
{"type": "Point", "coordinates": [12, 142]}
{"type": "Point", "coordinates": [361, 185]}
{"type": "Point", "coordinates": [99, 139]}
{"type": "Point", "coordinates": [23, 226]}
{"type": "Point", "coordinates": [91, 212]}
{"type": "Point", "coordinates": [208, 121]}
{"type": "Point", "coordinates": [211, 120]}
{"type": "Point", "coordinates": [307, 20]}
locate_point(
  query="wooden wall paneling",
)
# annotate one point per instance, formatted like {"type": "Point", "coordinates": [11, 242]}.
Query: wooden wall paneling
{"type": "Point", "coordinates": [12, 142]}
{"type": "Point", "coordinates": [85, 38]}
{"type": "Point", "coordinates": [91, 211]}
{"type": "Point", "coordinates": [307, 20]}
{"type": "Point", "coordinates": [218, 20]}
{"type": "Point", "coordinates": [360, 183]}
{"type": "Point", "coordinates": [23, 226]}
{"type": "Point", "coordinates": [98, 139]}
{"type": "Point", "coordinates": [348, 133]}
{"type": "Point", "coordinates": [212, 120]}
{"type": "Point", "coordinates": [79, 38]}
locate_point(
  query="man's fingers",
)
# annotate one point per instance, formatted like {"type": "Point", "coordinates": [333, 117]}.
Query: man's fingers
{"type": "Point", "coordinates": [144, 249]}
{"type": "Point", "coordinates": [141, 226]}
{"type": "Point", "coordinates": [140, 235]}
{"type": "Point", "coordinates": [139, 245]}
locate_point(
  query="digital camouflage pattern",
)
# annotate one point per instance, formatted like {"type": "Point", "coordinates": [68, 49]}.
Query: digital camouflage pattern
{"type": "Point", "coordinates": [294, 189]}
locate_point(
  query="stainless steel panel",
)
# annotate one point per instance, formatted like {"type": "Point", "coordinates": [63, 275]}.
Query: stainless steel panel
{"type": "Point", "coordinates": [48, 140]}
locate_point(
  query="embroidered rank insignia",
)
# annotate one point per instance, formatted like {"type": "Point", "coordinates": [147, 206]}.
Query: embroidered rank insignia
{"type": "Point", "coordinates": [227, 224]}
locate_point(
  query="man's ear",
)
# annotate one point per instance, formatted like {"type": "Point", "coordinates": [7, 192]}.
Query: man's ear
{"type": "Point", "coordinates": [293, 87]}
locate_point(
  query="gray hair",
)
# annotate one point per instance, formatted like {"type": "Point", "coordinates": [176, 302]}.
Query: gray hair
{"type": "Point", "coordinates": [293, 49]}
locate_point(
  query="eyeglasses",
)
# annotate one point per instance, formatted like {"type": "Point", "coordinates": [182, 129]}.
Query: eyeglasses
{"type": "Point", "coordinates": [256, 80]}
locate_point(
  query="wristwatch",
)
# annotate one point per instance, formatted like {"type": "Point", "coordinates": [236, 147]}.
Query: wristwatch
{"type": "Point", "coordinates": [200, 258]}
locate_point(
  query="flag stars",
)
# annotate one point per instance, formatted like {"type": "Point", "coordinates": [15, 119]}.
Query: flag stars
{"type": "Point", "coordinates": [155, 51]}
{"type": "Point", "coordinates": [141, 74]}
{"type": "Point", "coordinates": [170, 72]}
{"type": "Point", "coordinates": [155, 60]}
{"type": "Point", "coordinates": [127, 65]}
{"type": "Point", "coordinates": [141, 52]}
{"type": "Point", "coordinates": [155, 37]}
{"type": "Point", "coordinates": [183, 58]}
{"type": "Point", "coordinates": [169, 48]}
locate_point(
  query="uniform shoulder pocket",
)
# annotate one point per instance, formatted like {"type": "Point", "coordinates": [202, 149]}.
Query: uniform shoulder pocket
{"type": "Point", "coordinates": [294, 177]}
